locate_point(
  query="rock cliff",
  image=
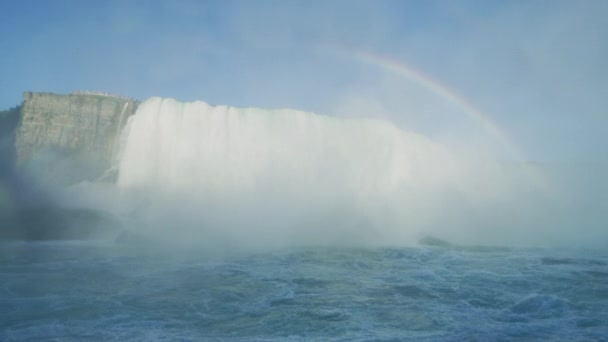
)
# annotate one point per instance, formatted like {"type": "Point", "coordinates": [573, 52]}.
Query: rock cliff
{"type": "Point", "coordinates": [9, 119]}
{"type": "Point", "coordinates": [50, 141]}
{"type": "Point", "coordinates": [70, 138]}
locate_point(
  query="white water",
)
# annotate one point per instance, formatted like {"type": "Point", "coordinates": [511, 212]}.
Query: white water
{"type": "Point", "coordinates": [208, 172]}
{"type": "Point", "coordinates": [196, 146]}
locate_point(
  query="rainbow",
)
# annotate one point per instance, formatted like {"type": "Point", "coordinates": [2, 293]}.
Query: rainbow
{"type": "Point", "coordinates": [408, 72]}
{"type": "Point", "coordinates": [404, 70]}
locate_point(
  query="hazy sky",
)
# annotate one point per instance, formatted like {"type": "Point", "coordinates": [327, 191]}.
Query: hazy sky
{"type": "Point", "coordinates": [536, 69]}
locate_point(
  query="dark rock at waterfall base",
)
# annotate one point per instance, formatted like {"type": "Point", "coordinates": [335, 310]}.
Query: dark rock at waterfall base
{"type": "Point", "coordinates": [433, 241]}
{"type": "Point", "coordinates": [52, 223]}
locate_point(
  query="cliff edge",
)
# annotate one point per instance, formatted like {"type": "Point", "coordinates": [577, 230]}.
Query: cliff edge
{"type": "Point", "coordinates": [72, 137]}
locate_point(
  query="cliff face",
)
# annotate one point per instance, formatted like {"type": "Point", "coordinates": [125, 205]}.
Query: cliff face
{"type": "Point", "coordinates": [9, 120]}
{"type": "Point", "coordinates": [70, 138]}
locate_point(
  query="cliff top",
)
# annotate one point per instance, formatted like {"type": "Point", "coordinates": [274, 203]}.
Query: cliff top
{"type": "Point", "coordinates": [28, 95]}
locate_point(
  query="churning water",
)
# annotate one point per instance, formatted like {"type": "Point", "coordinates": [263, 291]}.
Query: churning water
{"type": "Point", "coordinates": [106, 291]}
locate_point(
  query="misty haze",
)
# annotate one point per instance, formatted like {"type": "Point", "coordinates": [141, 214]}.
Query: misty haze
{"type": "Point", "coordinates": [303, 171]}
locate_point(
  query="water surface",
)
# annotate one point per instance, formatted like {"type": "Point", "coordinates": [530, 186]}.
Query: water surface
{"type": "Point", "coordinates": [72, 291]}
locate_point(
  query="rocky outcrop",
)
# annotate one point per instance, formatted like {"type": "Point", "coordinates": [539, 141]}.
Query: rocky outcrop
{"type": "Point", "coordinates": [71, 137]}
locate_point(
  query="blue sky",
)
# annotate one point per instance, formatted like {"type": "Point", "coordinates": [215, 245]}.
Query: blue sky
{"type": "Point", "coordinates": [536, 68]}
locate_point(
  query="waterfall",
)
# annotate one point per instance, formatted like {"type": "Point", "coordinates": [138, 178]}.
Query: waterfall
{"type": "Point", "coordinates": [226, 166]}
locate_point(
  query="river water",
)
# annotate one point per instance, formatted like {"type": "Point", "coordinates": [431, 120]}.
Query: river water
{"type": "Point", "coordinates": [74, 291]}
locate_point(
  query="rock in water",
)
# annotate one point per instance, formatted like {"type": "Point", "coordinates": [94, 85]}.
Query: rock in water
{"type": "Point", "coordinates": [433, 241]}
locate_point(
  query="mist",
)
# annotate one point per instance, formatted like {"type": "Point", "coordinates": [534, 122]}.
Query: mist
{"type": "Point", "coordinates": [534, 70]}
{"type": "Point", "coordinates": [225, 180]}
